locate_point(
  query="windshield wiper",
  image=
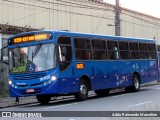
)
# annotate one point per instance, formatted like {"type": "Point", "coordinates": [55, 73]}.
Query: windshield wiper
{"type": "Point", "coordinates": [35, 52]}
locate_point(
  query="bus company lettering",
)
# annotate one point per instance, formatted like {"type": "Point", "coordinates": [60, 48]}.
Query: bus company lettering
{"type": "Point", "coordinates": [45, 78]}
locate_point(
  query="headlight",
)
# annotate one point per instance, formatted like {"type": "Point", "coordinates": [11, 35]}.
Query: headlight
{"type": "Point", "coordinates": [9, 82]}
{"type": "Point", "coordinates": [54, 77]}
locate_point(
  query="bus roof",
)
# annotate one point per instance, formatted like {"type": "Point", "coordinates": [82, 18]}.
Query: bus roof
{"type": "Point", "coordinates": [89, 35]}
{"type": "Point", "coordinates": [100, 36]}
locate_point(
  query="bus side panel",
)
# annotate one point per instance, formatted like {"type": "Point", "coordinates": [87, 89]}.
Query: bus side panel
{"type": "Point", "coordinates": [148, 71]}
{"type": "Point", "coordinates": [68, 81]}
{"type": "Point", "coordinates": [98, 74]}
{"type": "Point", "coordinates": [114, 74]}
{"type": "Point", "coordinates": [109, 74]}
{"type": "Point", "coordinates": [154, 70]}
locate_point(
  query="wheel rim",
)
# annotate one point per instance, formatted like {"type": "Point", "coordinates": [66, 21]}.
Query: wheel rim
{"type": "Point", "coordinates": [136, 83]}
{"type": "Point", "coordinates": [83, 90]}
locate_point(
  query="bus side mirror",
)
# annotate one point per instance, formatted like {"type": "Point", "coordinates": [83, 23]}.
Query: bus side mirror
{"type": "Point", "coordinates": [4, 55]}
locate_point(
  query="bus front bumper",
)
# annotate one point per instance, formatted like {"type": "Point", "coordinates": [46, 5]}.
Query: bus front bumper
{"type": "Point", "coordinates": [51, 89]}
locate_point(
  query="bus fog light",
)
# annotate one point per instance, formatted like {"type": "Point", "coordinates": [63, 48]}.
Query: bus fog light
{"type": "Point", "coordinates": [54, 77]}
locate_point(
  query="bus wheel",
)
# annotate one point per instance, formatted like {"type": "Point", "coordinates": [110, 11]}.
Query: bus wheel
{"type": "Point", "coordinates": [136, 84]}
{"type": "Point", "coordinates": [43, 99]}
{"type": "Point", "coordinates": [83, 91]}
{"type": "Point", "coordinates": [104, 92]}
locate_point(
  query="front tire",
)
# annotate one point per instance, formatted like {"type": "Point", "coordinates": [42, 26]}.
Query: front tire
{"type": "Point", "coordinates": [83, 91]}
{"type": "Point", "coordinates": [43, 99]}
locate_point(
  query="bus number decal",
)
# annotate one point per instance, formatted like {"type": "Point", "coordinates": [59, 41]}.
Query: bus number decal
{"type": "Point", "coordinates": [45, 78]}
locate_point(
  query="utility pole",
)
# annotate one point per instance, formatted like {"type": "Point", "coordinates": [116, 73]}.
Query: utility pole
{"type": "Point", "coordinates": [117, 18]}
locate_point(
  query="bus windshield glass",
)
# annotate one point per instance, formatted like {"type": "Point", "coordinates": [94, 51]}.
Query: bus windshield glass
{"type": "Point", "coordinates": [36, 58]}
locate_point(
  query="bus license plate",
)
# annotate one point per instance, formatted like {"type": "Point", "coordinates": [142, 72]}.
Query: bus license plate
{"type": "Point", "coordinates": [29, 90]}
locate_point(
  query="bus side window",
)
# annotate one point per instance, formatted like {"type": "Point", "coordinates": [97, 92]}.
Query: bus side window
{"type": "Point", "coordinates": [143, 50]}
{"type": "Point", "coordinates": [99, 49]}
{"type": "Point", "coordinates": [116, 54]}
{"type": "Point", "coordinates": [134, 50]}
{"type": "Point", "coordinates": [151, 51]}
{"type": "Point", "coordinates": [83, 48]}
{"type": "Point", "coordinates": [124, 50]}
{"type": "Point", "coordinates": [65, 52]}
{"type": "Point", "coordinates": [113, 50]}
{"type": "Point", "coordinates": [79, 55]}
{"type": "Point", "coordinates": [87, 55]}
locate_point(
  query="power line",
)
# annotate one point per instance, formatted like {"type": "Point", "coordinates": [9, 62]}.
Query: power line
{"type": "Point", "coordinates": [26, 16]}
{"type": "Point", "coordinates": [56, 9]}
{"type": "Point", "coordinates": [74, 12]}
{"type": "Point", "coordinates": [103, 17]}
{"type": "Point", "coordinates": [147, 21]}
{"type": "Point", "coordinates": [73, 4]}
{"type": "Point", "coordinates": [99, 22]}
{"type": "Point", "coordinates": [139, 24]}
{"type": "Point", "coordinates": [119, 9]}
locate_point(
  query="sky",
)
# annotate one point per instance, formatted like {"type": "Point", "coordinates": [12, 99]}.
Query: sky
{"type": "Point", "coordinates": [150, 7]}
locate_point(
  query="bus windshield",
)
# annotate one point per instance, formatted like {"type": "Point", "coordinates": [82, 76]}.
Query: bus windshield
{"type": "Point", "coordinates": [36, 58]}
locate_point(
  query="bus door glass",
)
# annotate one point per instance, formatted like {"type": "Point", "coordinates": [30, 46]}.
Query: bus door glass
{"type": "Point", "coordinates": [65, 52]}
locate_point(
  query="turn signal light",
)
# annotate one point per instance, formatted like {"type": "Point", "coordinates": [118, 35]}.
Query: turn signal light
{"type": "Point", "coordinates": [80, 66]}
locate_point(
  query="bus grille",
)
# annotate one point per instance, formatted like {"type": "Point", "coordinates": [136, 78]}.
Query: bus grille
{"type": "Point", "coordinates": [30, 76]}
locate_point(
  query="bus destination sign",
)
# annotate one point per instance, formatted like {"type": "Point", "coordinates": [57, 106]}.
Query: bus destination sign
{"type": "Point", "coordinates": [30, 38]}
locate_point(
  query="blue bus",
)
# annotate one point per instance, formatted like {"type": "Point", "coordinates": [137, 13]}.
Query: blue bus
{"type": "Point", "coordinates": [52, 63]}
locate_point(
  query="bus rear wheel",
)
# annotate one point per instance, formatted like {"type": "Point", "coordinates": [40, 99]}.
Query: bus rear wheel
{"type": "Point", "coordinates": [43, 99]}
{"type": "Point", "coordinates": [136, 84]}
{"type": "Point", "coordinates": [104, 92]}
{"type": "Point", "coordinates": [83, 91]}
